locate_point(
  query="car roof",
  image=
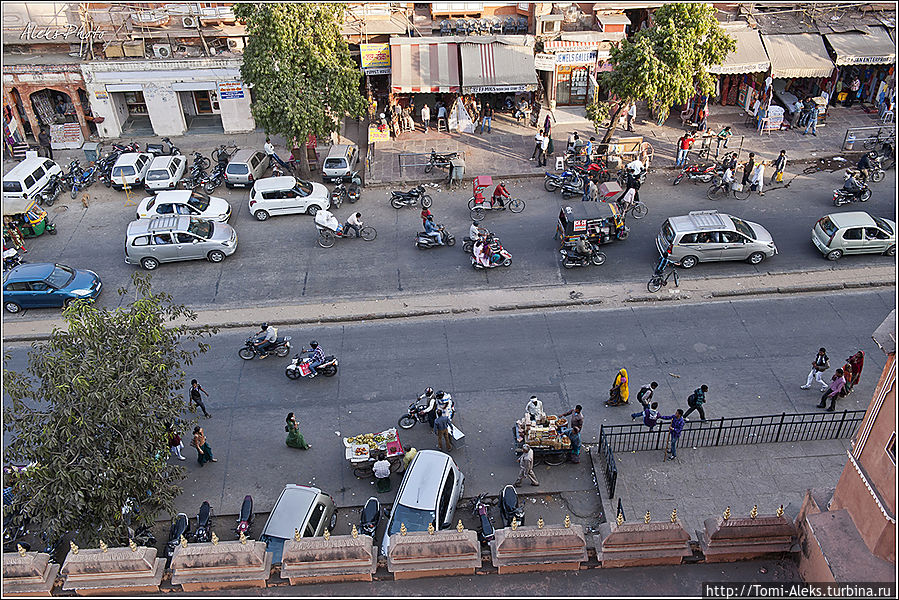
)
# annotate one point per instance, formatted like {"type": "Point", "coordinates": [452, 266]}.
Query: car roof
{"type": "Point", "coordinates": [275, 183]}
{"type": "Point", "coordinates": [290, 510]}
{"type": "Point", "coordinates": [338, 150]}
{"type": "Point", "coordinates": [26, 167]}
{"type": "Point", "coordinates": [421, 484]}
{"type": "Point", "coordinates": [586, 211]}
{"type": "Point", "coordinates": [701, 220]}
{"type": "Point", "coordinates": [30, 272]}
{"type": "Point", "coordinates": [858, 218]}
{"type": "Point", "coordinates": [156, 224]}
{"type": "Point", "coordinates": [180, 195]}
{"type": "Point", "coordinates": [129, 158]}
{"type": "Point", "coordinates": [243, 155]}
{"type": "Point", "coordinates": [162, 161]}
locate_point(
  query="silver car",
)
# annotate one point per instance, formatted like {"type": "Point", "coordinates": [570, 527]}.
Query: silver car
{"type": "Point", "coordinates": [245, 168]}
{"type": "Point", "coordinates": [299, 508]}
{"type": "Point", "coordinates": [169, 239]}
{"type": "Point", "coordinates": [707, 235]}
{"type": "Point", "coordinates": [854, 233]}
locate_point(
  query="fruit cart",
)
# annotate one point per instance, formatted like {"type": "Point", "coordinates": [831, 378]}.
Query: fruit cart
{"type": "Point", "coordinates": [544, 438]}
{"type": "Point", "coordinates": [362, 451]}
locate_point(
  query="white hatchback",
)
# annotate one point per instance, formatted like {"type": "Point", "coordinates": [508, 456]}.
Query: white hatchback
{"type": "Point", "coordinates": [287, 196]}
{"type": "Point", "coordinates": [130, 169]}
{"type": "Point", "coordinates": [194, 203]}
{"type": "Point", "coordinates": [165, 172]}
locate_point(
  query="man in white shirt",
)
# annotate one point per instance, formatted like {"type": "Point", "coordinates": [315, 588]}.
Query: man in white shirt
{"type": "Point", "coordinates": [636, 166]}
{"type": "Point", "coordinates": [541, 158]}
{"type": "Point", "coordinates": [426, 116]}
{"type": "Point", "coordinates": [631, 115]}
{"type": "Point", "coordinates": [538, 144]}
{"type": "Point", "coordinates": [354, 223]}
{"type": "Point", "coordinates": [534, 409]}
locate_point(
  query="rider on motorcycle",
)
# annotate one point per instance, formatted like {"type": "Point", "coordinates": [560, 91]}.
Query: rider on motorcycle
{"type": "Point", "coordinates": [433, 230]}
{"type": "Point", "coordinates": [427, 404]}
{"type": "Point", "coordinates": [265, 339]}
{"type": "Point", "coordinates": [499, 194]}
{"type": "Point", "coordinates": [316, 357]}
{"type": "Point", "coordinates": [866, 163]}
{"type": "Point", "coordinates": [475, 232]}
{"type": "Point", "coordinates": [852, 185]}
{"type": "Point", "coordinates": [583, 247]}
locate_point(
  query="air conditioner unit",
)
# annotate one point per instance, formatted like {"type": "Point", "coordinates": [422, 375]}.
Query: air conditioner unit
{"type": "Point", "coordinates": [162, 50]}
{"type": "Point", "coordinates": [190, 22]}
{"type": "Point", "coordinates": [235, 44]}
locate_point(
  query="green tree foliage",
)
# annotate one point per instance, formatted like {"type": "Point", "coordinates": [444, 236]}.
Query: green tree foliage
{"type": "Point", "coordinates": [90, 413]}
{"type": "Point", "coordinates": [666, 63]}
{"type": "Point", "coordinates": [304, 80]}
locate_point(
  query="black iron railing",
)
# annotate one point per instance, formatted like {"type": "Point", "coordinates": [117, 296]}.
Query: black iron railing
{"type": "Point", "coordinates": [607, 459]}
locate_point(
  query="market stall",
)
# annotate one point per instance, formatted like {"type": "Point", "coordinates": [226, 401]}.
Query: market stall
{"type": "Point", "coordinates": [544, 438]}
{"type": "Point", "coordinates": [362, 451]}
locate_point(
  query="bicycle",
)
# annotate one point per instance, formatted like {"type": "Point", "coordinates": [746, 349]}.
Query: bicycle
{"type": "Point", "coordinates": [223, 153]}
{"type": "Point", "coordinates": [657, 281]}
{"type": "Point", "coordinates": [326, 237]}
{"type": "Point", "coordinates": [718, 189]}
{"type": "Point", "coordinates": [877, 142]}
{"type": "Point", "coordinates": [637, 209]}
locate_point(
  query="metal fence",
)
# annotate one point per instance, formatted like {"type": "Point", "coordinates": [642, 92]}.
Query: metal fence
{"type": "Point", "coordinates": [734, 431]}
{"type": "Point", "coordinates": [868, 138]}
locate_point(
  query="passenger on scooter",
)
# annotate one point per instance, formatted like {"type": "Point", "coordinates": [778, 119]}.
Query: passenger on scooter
{"type": "Point", "coordinates": [265, 339]}
{"type": "Point", "coordinates": [432, 230]}
{"type": "Point", "coordinates": [316, 356]}
{"type": "Point", "coordinates": [481, 252]}
{"type": "Point", "coordinates": [499, 194]}
{"type": "Point", "coordinates": [852, 185]}
{"type": "Point", "coordinates": [425, 213]}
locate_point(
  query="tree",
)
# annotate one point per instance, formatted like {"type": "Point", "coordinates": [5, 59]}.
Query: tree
{"type": "Point", "coordinates": [91, 410]}
{"type": "Point", "coordinates": [666, 63]}
{"type": "Point", "coordinates": [304, 80]}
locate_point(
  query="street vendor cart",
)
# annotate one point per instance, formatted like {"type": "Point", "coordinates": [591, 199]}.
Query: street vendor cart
{"type": "Point", "coordinates": [544, 438]}
{"type": "Point", "coordinates": [362, 451]}
{"type": "Point", "coordinates": [599, 221]}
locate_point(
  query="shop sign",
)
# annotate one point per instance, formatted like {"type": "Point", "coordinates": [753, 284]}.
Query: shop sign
{"type": "Point", "coordinates": [497, 89]}
{"type": "Point", "coordinates": [230, 90]}
{"type": "Point", "coordinates": [544, 62]}
{"type": "Point", "coordinates": [587, 57]}
{"type": "Point", "coordinates": [376, 135]}
{"type": "Point", "coordinates": [375, 58]}
{"type": "Point", "coordinates": [580, 225]}
{"type": "Point", "coordinates": [865, 60]}
{"type": "Point", "coordinates": [101, 95]}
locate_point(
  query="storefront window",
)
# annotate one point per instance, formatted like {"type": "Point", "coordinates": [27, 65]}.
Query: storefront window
{"type": "Point", "coordinates": [136, 103]}
{"type": "Point", "coordinates": [571, 85]}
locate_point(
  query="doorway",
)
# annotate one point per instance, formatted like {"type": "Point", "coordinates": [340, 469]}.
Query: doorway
{"type": "Point", "coordinates": [206, 102]}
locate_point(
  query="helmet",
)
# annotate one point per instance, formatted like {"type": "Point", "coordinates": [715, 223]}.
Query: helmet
{"type": "Point", "coordinates": [872, 154]}
{"type": "Point", "coordinates": [264, 326]}
{"type": "Point", "coordinates": [313, 344]}
{"type": "Point", "coordinates": [429, 391]}
{"type": "Point", "coordinates": [439, 393]}
{"type": "Point", "coordinates": [502, 184]}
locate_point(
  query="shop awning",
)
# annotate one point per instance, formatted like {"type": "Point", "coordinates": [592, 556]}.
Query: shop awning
{"type": "Point", "coordinates": [857, 48]}
{"type": "Point", "coordinates": [749, 56]}
{"type": "Point", "coordinates": [797, 55]}
{"type": "Point", "coordinates": [424, 66]}
{"type": "Point", "coordinates": [497, 67]}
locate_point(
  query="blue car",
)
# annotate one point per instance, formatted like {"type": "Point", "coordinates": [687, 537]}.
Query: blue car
{"type": "Point", "coordinates": [39, 285]}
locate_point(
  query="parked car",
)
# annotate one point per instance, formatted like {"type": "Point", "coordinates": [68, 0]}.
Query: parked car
{"type": "Point", "coordinates": [39, 285]}
{"type": "Point", "coordinates": [168, 239]}
{"type": "Point", "coordinates": [429, 492]}
{"type": "Point", "coordinates": [245, 168]}
{"type": "Point", "coordinates": [341, 160]}
{"type": "Point", "coordinates": [165, 172]}
{"type": "Point", "coordinates": [26, 180]}
{"type": "Point", "coordinates": [854, 233]}
{"type": "Point", "coordinates": [196, 203]}
{"type": "Point", "coordinates": [131, 169]}
{"type": "Point", "coordinates": [707, 235]}
{"type": "Point", "coordinates": [302, 508]}
{"type": "Point", "coordinates": [287, 196]}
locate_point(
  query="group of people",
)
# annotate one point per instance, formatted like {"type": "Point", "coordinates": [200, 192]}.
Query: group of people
{"type": "Point", "coordinates": [572, 429]}
{"type": "Point", "coordinates": [438, 408]}
{"type": "Point", "coordinates": [842, 381]}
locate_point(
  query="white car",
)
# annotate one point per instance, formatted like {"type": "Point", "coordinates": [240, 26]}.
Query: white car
{"type": "Point", "coordinates": [130, 169]}
{"type": "Point", "coordinates": [165, 172]}
{"type": "Point", "coordinates": [287, 196]}
{"type": "Point", "coordinates": [194, 203]}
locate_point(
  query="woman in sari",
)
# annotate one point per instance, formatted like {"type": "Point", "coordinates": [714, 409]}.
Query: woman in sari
{"type": "Point", "coordinates": [294, 437]}
{"type": "Point", "coordinates": [619, 392]}
{"type": "Point", "coordinates": [856, 361]}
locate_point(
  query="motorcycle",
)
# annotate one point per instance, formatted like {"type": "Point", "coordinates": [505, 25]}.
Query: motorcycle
{"type": "Point", "coordinates": [843, 196]}
{"type": "Point", "coordinates": [370, 517]}
{"type": "Point", "coordinates": [280, 348]}
{"type": "Point", "coordinates": [423, 241]}
{"type": "Point", "coordinates": [509, 507]}
{"type": "Point", "coordinates": [499, 257]}
{"type": "Point", "coordinates": [349, 188]}
{"type": "Point", "coordinates": [180, 527]}
{"type": "Point", "coordinates": [203, 532]}
{"type": "Point", "coordinates": [245, 519]}
{"type": "Point", "coordinates": [415, 414]}
{"type": "Point", "coordinates": [166, 148]}
{"type": "Point", "coordinates": [81, 179]}
{"type": "Point", "coordinates": [440, 160]}
{"type": "Point", "coordinates": [592, 170]}
{"type": "Point", "coordinates": [126, 148]}
{"type": "Point", "coordinates": [11, 259]}
{"type": "Point", "coordinates": [702, 173]}
{"type": "Point", "coordinates": [143, 535]}
{"type": "Point", "coordinates": [212, 181]}
{"type": "Point", "coordinates": [51, 191]}
{"type": "Point", "coordinates": [399, 199]}
{"type": "Point", "coordinates": [553, 182]}
{"type": "Point", "coordinates": [571, 258]}
{"type": "Point", "coordinates": [486, 532]}
{"type": "Point", "coordinates": [299, 366]}
{"type": "Point", "coordinates": [875, 172]}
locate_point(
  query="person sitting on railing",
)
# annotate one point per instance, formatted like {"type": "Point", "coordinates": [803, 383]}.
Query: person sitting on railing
{"type": "Point", "coordinates": [650, 415]}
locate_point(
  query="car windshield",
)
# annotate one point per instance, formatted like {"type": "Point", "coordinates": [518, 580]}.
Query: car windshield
{"type": "Point", "coordinates": [883, 224]}
{"type": "Point", "coordinates": [60, 277]}
{"type": "Point", "coordinates": [416, 519]}
{"type": "Point", "coordinates": [125, 171]}
{"type": "Point", "coordinates": [199, 200]}
{"type": "Point", "coordinates": [744, 228]}
{"type": "Point", "coordinates": [151, 203]}
{"type": "Point", "coordinates": [201, 228]}
{"type": "Point", "coordinates": [334, 163]}
{"type": "Point", "coordinates": [158, 175]}
{"type": "Point", "coordinates": [12, 186]}
{"type": "Point", "coordinates": [828, 227]}
{"type": "Point", "coordinates": [305, 186]}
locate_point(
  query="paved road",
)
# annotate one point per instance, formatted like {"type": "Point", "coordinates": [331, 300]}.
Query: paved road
{"type": "Point", "coordinates": [752, 353]}
{"type": "Point", "coordinates": [279, 261]}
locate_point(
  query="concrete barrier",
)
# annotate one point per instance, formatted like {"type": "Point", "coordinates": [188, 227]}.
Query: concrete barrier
{"type": "Point", "coordinates": [28, 574]}
{"type": "Point", "coordinates": [534, 548]}
{"type": "Point", "coordinates": [728, 540]}
{"type": "Point", "coordinates": [223, 565]}
{"type": "Point", "coordinates": [116, 571]}
{"type": "Point", "coordinates": [336, 558]}
{"type": "Point", "coordinates": [641, 544]}
{"type": "Point", "coordinates": [423, 554]}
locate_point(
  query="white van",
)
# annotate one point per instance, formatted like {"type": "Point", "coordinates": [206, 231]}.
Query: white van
{"type": "Point", "coordinates": [26, 179]}
{"type": "Point", "coordinates": [341, 160]}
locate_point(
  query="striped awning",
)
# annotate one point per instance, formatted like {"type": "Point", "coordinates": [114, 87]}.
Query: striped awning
{"type": "Point", "coordinates": [424, 67]}
{"type": "Point", "coordinates": [566, 46]}
{"type": "Point", "coordinates": [489, 68]}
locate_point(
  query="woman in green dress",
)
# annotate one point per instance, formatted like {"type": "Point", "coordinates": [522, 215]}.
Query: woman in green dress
{"type": "Point", "coordinates": [294, 437]}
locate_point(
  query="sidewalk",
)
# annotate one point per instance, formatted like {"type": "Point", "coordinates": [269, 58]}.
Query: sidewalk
{"type": "Point", "coordinates": [608, 295]}
{"type": "Point", "coordinates": [506, 151]}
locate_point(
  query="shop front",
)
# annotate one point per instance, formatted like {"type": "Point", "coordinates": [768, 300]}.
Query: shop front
{"type": "Point", "coordinates": [744, 69]}
{"type": "Point", "coordinates": [869, 56]}
{"type": "Point", "coordinates": [499, 72]}
{"type": "Point", "coordinates": [424, 70]}
{"type": "Point", "coordinates": [572, 80]}
{"type": "Point", "coordinates": [800, 69]}
{"type": "Point", "coordinates": [375, 64]}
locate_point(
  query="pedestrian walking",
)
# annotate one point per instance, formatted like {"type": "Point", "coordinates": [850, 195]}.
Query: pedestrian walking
{"type": "Point", "coordinates": [780, 164]}
{"type": "Point", "coordinates": [294, 437]}
{"type": "Point", "coordinates": [175, 443]}
{"type": "Point", "coordinates": [631, 115]}
{"type": "Point", "coordinates": [538, 143]}
{"type": "Point", "coordinates": [196, 398]}
{"type": "Point", "coordinates": [574, 451]}
{"type": "Point", "coordinates": [526, 462]}
{"type": "Point", "coordinates": [544, 147]}
{"type": "Point", "coordinates": [442, 426]}
{"type": "Point", "coordinates": [812, 121]}
{"type": "Point", "coordinates": [696, 400]}
{"type": "Point", "coordinates": [847, 377]}
{"type": "Point", "coordinates": [674, 430]}
{"type": "Point", "coordinates": [748, 168]}
{"type": "Point", "coordinates": [723, 136]}
{"type": "Point", "coordinates": [650, 414]}
{"type": "Point", "coordinates": [426, 117]}
{"type": "Point", "coordinates": [833, 391]}
{"type": "Point", "coordinates": [43, 138]}
{"type": "Point", "coordinates": [547, 131]}
{"type": "Point", "coordinates": [619, 392]}
{"type": "Point", "coordinates": [854, 87]}
{"type": "Point", "coordinates": [819, 365]}
{"type": "Point", "coordinates": [644, 396]}
{"type": "Point", "coordinates": [204, 452]}
{"type": "Point", "coordinates": [487, 117]}
{"type": "Point", "coordinates": [857, 362]}
{"type": "Point", "coordinates": [758, 177]}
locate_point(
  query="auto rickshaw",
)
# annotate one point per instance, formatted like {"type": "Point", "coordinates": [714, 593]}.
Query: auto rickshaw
{"type": "Point", "coordinates": [599, 221]}
{"type": "Point", "coordinates": [27, 217]}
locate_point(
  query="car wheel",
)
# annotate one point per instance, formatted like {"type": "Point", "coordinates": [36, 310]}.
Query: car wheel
{"type": "Point", "coordinates": [835, 255]}
{"type": "Point", "coordinates": [313, 208]}
{"type": "Point", "coordinates": [12, 307]}
{"type": "Point", "coordinates": [755, 258]}
{"type": "Point", "coordinates": [891, 251]}
{"type": "Point", "coordinates": [688, 262]}
{"type": "Point", "coordinates": [68, 302]}
{"type": "Point", "coordinates": [216, 256]}
{"type": "Point", "coordinates": [149, 263]}
{"type": "Point", "coordinates": [261, 215]}
{"type": "Point", "coordinates": [333, 522]}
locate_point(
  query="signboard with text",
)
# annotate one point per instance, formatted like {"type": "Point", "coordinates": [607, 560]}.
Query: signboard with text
{"type": "Point", "coordinates": [376, 135]}
{"type": "Point", "coordinates": [544, 62]}
{"type": "Point", "coordinates": [230, 90]}
{"type": "Point", "coordinates": [375, 58]}
{"type": "Point", "coordinates": [587, 57]}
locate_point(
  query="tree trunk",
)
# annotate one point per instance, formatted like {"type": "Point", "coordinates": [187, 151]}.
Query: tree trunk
{"type": "Point", "coordinates": [305, 170]}
{"type": "Point", "coordinates": [613, 124]}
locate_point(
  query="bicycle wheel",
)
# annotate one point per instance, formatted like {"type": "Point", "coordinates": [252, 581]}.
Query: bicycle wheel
{"type": "Point", "coordinates": [478, 214]}
{"type": "Point", "coordinates": [714, 191]}
{"type": "Point", "coordinates": [364, 472]}
{"type": "Point", "coordinates": [639, 210]}
{"type": "Point", "coordinates": [743, 194]}
{"type": "Point", "coordinates": [326, 238]}
{"type": "Point", "coordinates": [368, 233]}
{"type": "Point", "coordinates": [516, 205]}
{"type": "Point", "coordinates": [655, 284]}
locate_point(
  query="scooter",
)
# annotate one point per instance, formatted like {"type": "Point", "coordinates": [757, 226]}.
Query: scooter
{"type": "Point", "coordinates": [180, 527]}
{"type": "Point", "coordinates": [486, 532]}
{"type": "Point", "coordinates": [351, 183]}
{"type": "Point", "coordinates": [572, 259]}
{"type": "Point", "coordinates": [468, 243]}
{"type": "Point", "coordinates": [509, 507]}
{"type": "Point", "coordinates": [499, 257]}
{"type": "Point", "coordinates": [399, 199]}
{"type": "Point", "coordinates": [423, 241]}
{"type": "Point", "coordinates": [245, 519]}
{"type": "Point", "coordinates": [299, 367]}
{"type": "Point", "coordinates": [702, 173]}
{"type": "Point", "coordinates": [204, 523]}
{"type": "Point", "coordinates": [371, 516]}
{"type": "Point", "coordinates": [166, 148]}
{"type": "Point", "coordinates": [439, 160]}
{"type": "Point", "coordinates": [553, 182]}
